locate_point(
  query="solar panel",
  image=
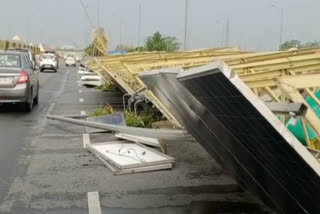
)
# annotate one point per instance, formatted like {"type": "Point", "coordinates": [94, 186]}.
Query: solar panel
{"type": "Point", "coordinates": [115, 119]}
{"type": "Point", "coordinates": [284, 169]}
{"type": "Point", "coordinates": [193, 115]}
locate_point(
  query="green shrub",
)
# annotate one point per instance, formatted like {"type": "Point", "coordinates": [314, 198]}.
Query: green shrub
{"type": "Point", "coordinates": [132, 120]}
{"type": "Point", "coordinates": [101, 111]}
{"type": "Point", "coordinates": [108, 87]}
{"type": "Point", "coordinates": [144, 119]}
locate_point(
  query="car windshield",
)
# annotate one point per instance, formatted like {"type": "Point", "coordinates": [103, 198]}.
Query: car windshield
{"type": "Point", "coordinates": [47, 57]}
{"type": "Point", "coordinates": [10, 60]}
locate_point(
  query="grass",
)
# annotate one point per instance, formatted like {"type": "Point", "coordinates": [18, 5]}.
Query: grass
{"type": "Point", "coordinates": [144, 119]}
{"type": "Point", "coordinates": [132, 120]}
{"type": "Point", "coordinates": [101, 111]}
{"type": "Point", "coordinates": [108, 87]}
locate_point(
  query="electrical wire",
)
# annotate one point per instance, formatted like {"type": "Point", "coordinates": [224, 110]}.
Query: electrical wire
{"type": "Point", "coordinates": [120, 153]}
{"type": "Point", "coordinates": [86, 12]}
{"type": "Point", "coordinates": [128, 156]}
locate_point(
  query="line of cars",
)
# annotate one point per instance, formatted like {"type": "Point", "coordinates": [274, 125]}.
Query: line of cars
{"type": "Point", "coordinates": [19, 75]}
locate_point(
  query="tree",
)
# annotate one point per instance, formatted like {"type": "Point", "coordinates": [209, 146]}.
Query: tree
{"type": "Point", "coordinates": [297, 44]}
{"type": "Point", "coordinates": [290, 44]}
{"type": "Point", "coordinates": [314, 44]}
{"type": "Point", "coordinates": [92, 51]}
{"type": "Point", "coordinates": [158, 42]}
{"type": "Point", "coordinates": [172, 44]}
{"type": "Point", "coordinates": [89, 50]}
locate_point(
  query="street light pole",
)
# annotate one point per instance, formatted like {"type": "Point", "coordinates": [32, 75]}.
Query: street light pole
{"type": "Point", "coordinates": [227, 38]}
{"type": "Point", "coordinates": [120, 31]}
{"type": "Point", "coordinates": [98, 13]}
{"type": "Point", "coordinates": [281, 20]}
{"type": "Point", "coordinates": [281, 26]}
{"type": "Point", "coordinates": [186, 25]}
{"type": "Point", "coordinates": [139, 27]}
{"type": "Point", "coordinates": [27, 29]}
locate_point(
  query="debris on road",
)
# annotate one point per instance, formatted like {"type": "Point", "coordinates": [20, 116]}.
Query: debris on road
{"type": "Point", "coordinates": [255, 137]}
{"type": "Point", "coordinates": [165, 134]}
{"type": "Point", "coordinates": [124, 157]}
{"type": "Point", "coordinates": [138, 139]}
{"type": "Point", "coordinates": [115, 119]}
{"type": "Point", "coordinates": [222, 106]}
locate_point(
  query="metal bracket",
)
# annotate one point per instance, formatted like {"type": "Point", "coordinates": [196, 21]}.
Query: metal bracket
{"type": "Point", "coordinates": [287, 108]}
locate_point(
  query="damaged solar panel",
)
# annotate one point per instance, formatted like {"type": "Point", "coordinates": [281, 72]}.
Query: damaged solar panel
{"type": "Point", "coordinates": [238, 130]}
{"type": "Point", "coordinates": [115, 119]}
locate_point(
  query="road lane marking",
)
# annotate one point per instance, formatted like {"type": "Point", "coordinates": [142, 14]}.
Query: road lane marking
{"type": "Point", "coordinates": [94, 203]}
{"type": "Point", "coordinates": [50, 109]}
{"type": "Point", "coordinates": [86, 140]}
{"type": "Point", "coordinates": [80, 91]}
{"type": "Point", "coordinates": [81, 100]}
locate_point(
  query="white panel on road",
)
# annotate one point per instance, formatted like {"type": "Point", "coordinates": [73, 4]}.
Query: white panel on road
{"type": "Point", "coordinates": [125, 155]}
{"type": "Point", "coordinates": [117, 171]}
{"type": "Point", "coordinates": [138, 139]}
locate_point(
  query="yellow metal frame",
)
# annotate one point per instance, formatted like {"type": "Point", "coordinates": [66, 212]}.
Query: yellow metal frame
{"type": "Point", "coordinates": [266, 73]}
{"type": "Point", "coordinates": [6, 44]}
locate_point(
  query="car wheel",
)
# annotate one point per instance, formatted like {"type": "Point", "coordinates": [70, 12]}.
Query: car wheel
{"type": "Point", "coordinates": [36, 99]}
{"type": "Point", "coordinates": [66, 65]}
{"type": "Point", "coordinates": [27, 107]}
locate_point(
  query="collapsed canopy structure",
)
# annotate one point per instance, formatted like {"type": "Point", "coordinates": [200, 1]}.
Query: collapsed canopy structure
{"type": "Point", "coordinates": [223, 108]}
{"type": "Point", "coordinates": [273, 76]}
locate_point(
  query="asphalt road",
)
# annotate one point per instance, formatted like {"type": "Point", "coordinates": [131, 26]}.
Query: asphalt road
{"type": "Point", "coordinates": [19, 129]}
{"type": "Point", "coordinates": [45, 169]}
{"type": "Point", "coordinates": [16, 130]}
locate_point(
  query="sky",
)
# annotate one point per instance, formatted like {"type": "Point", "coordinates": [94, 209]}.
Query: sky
{"type": "Point", "coordinates": [253, 24]}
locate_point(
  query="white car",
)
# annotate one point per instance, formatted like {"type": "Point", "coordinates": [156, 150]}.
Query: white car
{"type": "Point", "coordinates": [71, 61]}
{"type": "Point", "coordinates": [48, 61]}
{"type": "Point", "coordinates": [91, 80]}
{"type": "Point", "coordinates": [78, 58]}
{"type": "Point", "coordinates": [84, 71]}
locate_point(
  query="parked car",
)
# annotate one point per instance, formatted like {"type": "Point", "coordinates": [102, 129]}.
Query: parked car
{"type": "Point", "coordinates": [48, 61]}
{"type": "Point", "coordinates": [19, 81]}
{"type": "Point", "coordinates": [91, 80]}
{"type": "Point", "coordinates": [83, 70]}
{"type": "Point", "coordinates": [71, 61]}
